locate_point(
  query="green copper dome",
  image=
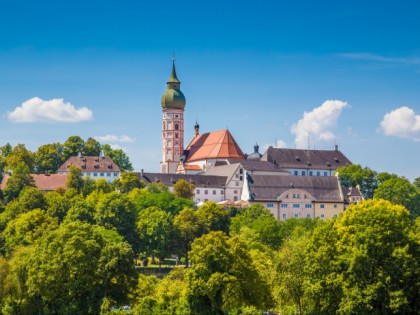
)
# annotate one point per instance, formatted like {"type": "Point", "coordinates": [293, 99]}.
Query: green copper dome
{"type": "Point", "coordinates": [173, 98]}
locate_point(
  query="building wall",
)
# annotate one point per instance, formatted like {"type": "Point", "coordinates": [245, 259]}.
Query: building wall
{"type": "Point", "coordinates": [310, 172]}
{"type": "Point", "coordinates": [108, 176]}
{"type": "Point", "coordinates": [328, 210]}
{"type": "Point", "coordinates": [172, 139]}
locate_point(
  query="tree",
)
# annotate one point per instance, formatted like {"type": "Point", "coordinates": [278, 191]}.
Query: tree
{"type": "Point", "coordinates": [119, 157]}
{"type": "Point", "coordinates": [223, 276]}
{"type": "Point", "coordinates": [127, 182]}
{"type": "Point", "coordinates": [75, 179]}
{"type": "Point", "coordinates": [353, 175]}
{"type": "Point", "coordinates": [49, 158]}
{"type": "Point", "coordinates": [4, 152]}
{"type": "Point", "coordinates": [263, 224]}
{"type": "Point", "coordinates": [58, 205]}
{"type": "Point", "coordinates": [19, 156]}
{"type": "Point", "coordinates": [399, 191]}
{"type": "Point", "coordinates": [31, 198]}
{"type": "Point", "coordinates": [91, 148]}
{"type": "Point", "coordinates": [17, 182]}
{"type": "Point", "coordinates": [184, 189]}
{"type": "Point", "coordinates": [214, 216]}
{"type": "Point", "coordinates": [73, 146]}
{"type": "Point", "coordinates": [115, 210]}
{"type": "Point", "coordinates": [73, 268]}
{"type": "Point", "coordinates": [27, 228]}
{"type": "Point", "coordinates": [154, 227]}
{"type": "Point", "coordinates": [188, 226]}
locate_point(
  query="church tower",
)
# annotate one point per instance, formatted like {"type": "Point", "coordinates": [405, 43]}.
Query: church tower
{"type": "Point", "coordinates": [173, 104]}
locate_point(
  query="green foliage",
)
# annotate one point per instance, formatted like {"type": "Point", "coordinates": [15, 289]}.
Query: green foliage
{"type": "Point", "coordinates": [80, 211]}
{"type": "Point", "coordinates": [91, 148]}
{"type": "Point", "coordinates": [353, 175]}
{"type": "Point", "coordinates": [265, 228]}
{"type": "Point", "coordinates": [115, 210]}
{"type": "Point", "coordinates": [16, 157]}
{"type": "Point", "coordinates": [223, 276]}
{"type": "Point", "coordinates": [73, 269]}
{"type": "Point", "coordinates": [75, 179]}
{"type": "Point", "coordinates": [49, 158]}
{"type": "Point", "coordinates": [18, 182]}
{"type": "Point", "coordinates": [214, 217]}
{"type": "Point", "coordinates": [73, 146]}
{"type": "Point", "coordinates": [127, 182]}
{"type": "Point", "coordinates": [119, 158]}
{"type": "Point", "coordinates": [154, 227]}
{"type": "Point", "coordinates": [183, 189]}
{"type": "Point", "coordinates": [162, 199]}
{"type": "Point", "coordinates": [57, 205]}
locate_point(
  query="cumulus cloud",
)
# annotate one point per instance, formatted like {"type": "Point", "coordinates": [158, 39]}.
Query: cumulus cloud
{"type": "Point", "coordinates": [402, 122]}
{"type": "Point", "coordinates": [118, 147]}
{"type": "Point", "coordinates": [318, 123]}
{"type": "Point", "coordinates": [115, 138]}
{"type": "Point", "coordinates": [36, 109]}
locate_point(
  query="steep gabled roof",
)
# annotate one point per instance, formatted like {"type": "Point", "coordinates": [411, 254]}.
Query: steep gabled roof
{"type": "Point", "coordinates": [90, 164]}
{"type": "Point", "coordinates": [306, 159]}
{"type": "Point", "coordinates": [170, 179]}
{"type": "Point", "coordinates": [323, 188]}
{"type": "Point", "coordinates": [214, 145]}
{"type": "Point", "coordinates": [48, 182]}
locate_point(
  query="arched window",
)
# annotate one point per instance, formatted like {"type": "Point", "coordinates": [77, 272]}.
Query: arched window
{"type": "Point", "coordinates": [176, 127]}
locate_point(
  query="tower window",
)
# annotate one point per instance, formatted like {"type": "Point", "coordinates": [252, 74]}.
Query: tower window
{"type": "Point", "coordinates": [176, 127]}
{"type": "Point", "coordinates": [176, 135]}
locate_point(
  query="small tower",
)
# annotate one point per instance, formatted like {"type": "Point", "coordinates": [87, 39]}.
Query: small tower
{"type": "Point", "coordinates": [196, 129]}
{"type": "Point", "coordinates": [173, 104]}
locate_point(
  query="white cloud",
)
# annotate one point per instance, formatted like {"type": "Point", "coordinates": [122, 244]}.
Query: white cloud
{"type": "Point", "coordinates": [402, 122]}
{"type": "Point", "coordinates": [118, 147]}
{"type": "Point", "coordinates": [115, 138]}
{"type": "Point", "coordinates": [36, 109]}
{"type": "Point", "coordinates": [278, 144]}
{"type": "Point", "coordinates": [380, 58]}
{"type": "Point", "coordinates": [317, 124]}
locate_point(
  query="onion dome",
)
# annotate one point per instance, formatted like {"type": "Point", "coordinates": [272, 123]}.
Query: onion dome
{"type": "Point", "coordinates": [173, 98]}
{"type": "Point", "coordinates": [256, 156]}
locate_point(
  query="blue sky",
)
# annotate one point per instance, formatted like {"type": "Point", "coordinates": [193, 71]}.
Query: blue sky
{"type": "Point", "coordinates": [253, 67]}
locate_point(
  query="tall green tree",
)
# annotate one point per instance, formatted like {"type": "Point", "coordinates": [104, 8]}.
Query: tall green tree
{"type": "Point", "coordinates": [223, 277]}
{"type": "Point", "coordinates": [73, 269]}
{"type": "Point", "coordinates": [91, 147]}
{"type": "Point", "coordinates": [184, 189]}
{"type": "Point", "coordinates": [155, 229]}
{"type": "Point", "coordinates": [75, 179]}
{"type": "Point", "coordinates": [73, 146]}
{"type": "Point", "coordinates": [353, 175]}
{"type": "Point", "coordinates": [49, 158]}
{"type": "Point", "coordinates": [18, 156]}
{"type": "Point", "coordinates": [214, 216]}
{"type": "Point", "coordinates": [20, 179]}
{"type": "Point", "coordinates": [127, 182]}
{"type": "Point", "coordinates": [119, 157]}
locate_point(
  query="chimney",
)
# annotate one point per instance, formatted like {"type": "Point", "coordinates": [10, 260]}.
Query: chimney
{"type": "Point", "coordinates": [141, 173]}
{"type": "Point", "coordinates": [336, 147]}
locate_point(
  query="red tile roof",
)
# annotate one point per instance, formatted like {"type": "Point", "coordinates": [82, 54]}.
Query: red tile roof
{"type": "Point", "coordinates": [192, 168]}
{"type": "Point", "coordinates": [43, 182]}
{"type": "Point", "coordinates": [90, 164]}
{"type": "Point", "coordinates": [214, 145]}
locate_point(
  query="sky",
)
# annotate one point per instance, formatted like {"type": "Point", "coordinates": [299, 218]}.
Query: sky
{"type": "Point", "coordinates": [294, 74]}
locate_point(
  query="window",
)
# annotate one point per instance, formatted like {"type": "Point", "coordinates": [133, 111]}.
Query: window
{"type": "Point", "coordinates": [284, 205]}
{"type": "Point", "coordinates": [296, 205]}
{"type": "Point", "coordinates": [296, 215]}
{"type": "Point", "coordinates": [236, 176]}
{"type": "Point", "coordinates": [308, 215]}
{"type": "Point", "coordinates": [241, 178]}
{"type": "Point", "coordinates": [318, 173]}
{"type": "Point", "coordinates": [295, 173]}
{"type": "Point", "coordinates": [176, 135]}
{"type": "Point", "coordinates": [297, 195]}
{"type": "Point", "coordinates": [322, 216]}
{"type": "Point", "coordinates": [206, 192]}
{"type": "Point", "coordinates": [310, 173]}
{"type": "Point", "coordinates": [241, 171]}
{"type": "Point", "coordinates": [335, 215]}
{"type": "Point", "coordinates": [176, 127]}
{"type": "Point", "coordinates": [308, 206]}
{"type": "Point", "coordinates": [335, 206]}
{"type": "Point", "coordinates": [198, 191]}
{"type": "Point", "coordinates": [325, 174]}
{"type": "Point", "coordinates": [115, 174]}
{"type": "Point", "coordinates": [322, 206]}
{"type": "Point", "coordinates": [95, 174]}
{"type": "Point", "coordinates": [235, 191]}
{"type": "Point", "coordinates": [303, 173]}
{"type": "Point", "coordinates": [236, 183]}
{"type": "Point", "coordinates": [235, 198]}
{"type": "Point", "coordinates": [102, 174]}
{"type": "Point", "coordinates": [108, 174]}
{"type": "Point", "coordinates": [284, 216]}
{"type": "Point", "coordinates": [214, 192]}
{"type": "Point", "coordinates": [270, 205]}
{"type": "Point", "coordinates": [294, 196]}
{"type": "Point", "coordinates": [221, 192]}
